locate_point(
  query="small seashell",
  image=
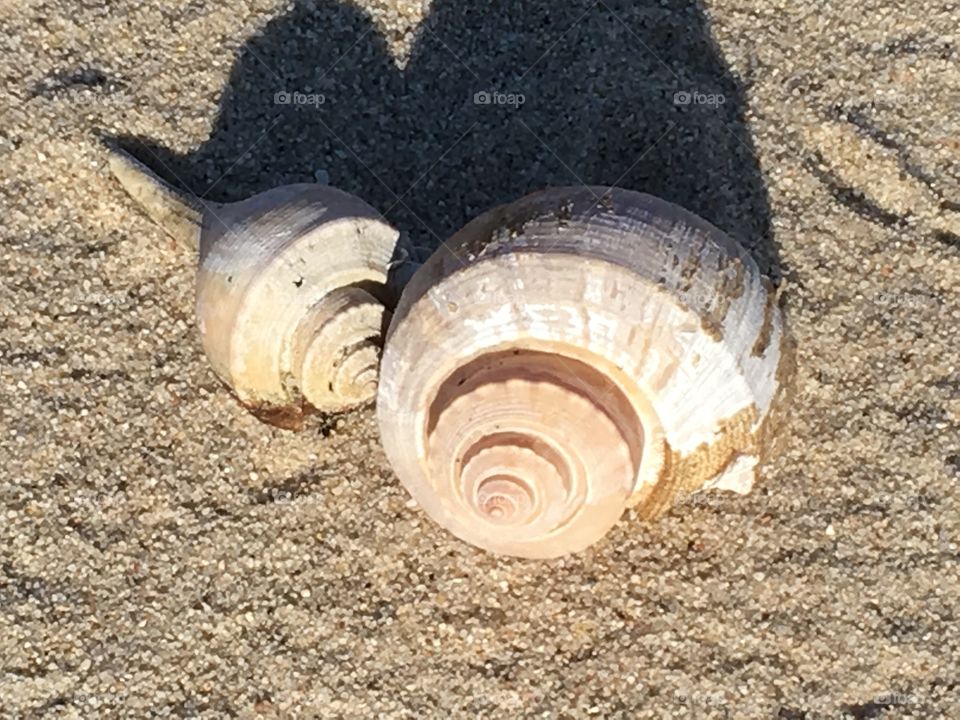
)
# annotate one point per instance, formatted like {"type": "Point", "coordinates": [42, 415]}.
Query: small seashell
{"type": "Point", "coordinates": [292, 289]}
{"type": "Point", "coordinates": [575, 353]}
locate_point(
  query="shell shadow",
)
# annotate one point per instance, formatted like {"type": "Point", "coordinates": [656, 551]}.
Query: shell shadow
{"type": "Point", "coordinates": [493, 103]}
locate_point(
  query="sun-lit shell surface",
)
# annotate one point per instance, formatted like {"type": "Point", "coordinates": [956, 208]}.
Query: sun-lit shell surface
{"type": "Point", "coordinates": [291, 290]}
{"type": "Point", "coordinates": [574, 353]}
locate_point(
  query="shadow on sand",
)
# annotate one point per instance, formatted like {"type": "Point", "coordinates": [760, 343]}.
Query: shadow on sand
{"type": "Point", "coordinates": [493, 103]}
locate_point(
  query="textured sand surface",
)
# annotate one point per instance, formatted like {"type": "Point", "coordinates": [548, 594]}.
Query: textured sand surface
{"type": "Point", "coordinates": [163, 554]}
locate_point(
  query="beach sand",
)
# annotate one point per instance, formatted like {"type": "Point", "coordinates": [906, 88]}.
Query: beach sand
{"type": "Point", "coordinates": [164, 554]}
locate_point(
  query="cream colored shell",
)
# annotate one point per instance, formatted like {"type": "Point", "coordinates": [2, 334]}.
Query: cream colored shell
{"type": "Point", "coordinates": [569, 355]}
{"type": "Point", "coordinates": [291, 286]}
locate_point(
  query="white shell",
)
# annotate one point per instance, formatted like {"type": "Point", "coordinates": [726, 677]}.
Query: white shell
{"type": "Point", "coordinates": [576, 352]}
{"type": "Point", "coordinates": [291, 287]}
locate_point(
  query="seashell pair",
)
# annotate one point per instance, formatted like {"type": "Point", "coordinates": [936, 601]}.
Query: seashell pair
{"type": "Point", "coordinates": [564, 357]}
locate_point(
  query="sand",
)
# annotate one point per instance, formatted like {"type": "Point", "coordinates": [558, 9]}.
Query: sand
{"type": "Point", "coordinates": [164, 554]}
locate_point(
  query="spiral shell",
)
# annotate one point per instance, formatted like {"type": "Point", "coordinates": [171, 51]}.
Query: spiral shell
{"type": "Point", "coordinates": [575, 353]}
{"type": "Point", "coordinates": [292, 288]}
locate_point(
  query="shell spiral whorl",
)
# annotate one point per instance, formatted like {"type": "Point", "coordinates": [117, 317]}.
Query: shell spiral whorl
{"type": "Point", "coordinates": [337, 348]}
{"type": "Point", "coordinates": [507, 438]}
{"type": "Point", "coordinates": [577, 352]}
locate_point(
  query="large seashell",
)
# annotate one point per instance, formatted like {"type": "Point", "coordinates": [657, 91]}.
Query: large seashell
{"type": "Point", "coordinates": [575, 353]}
{"type": "Point", "coordinates": [291, 289]}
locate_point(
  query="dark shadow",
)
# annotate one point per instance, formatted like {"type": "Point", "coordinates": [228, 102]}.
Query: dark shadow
{"type": "Point", "coordinates": [618, 92]}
